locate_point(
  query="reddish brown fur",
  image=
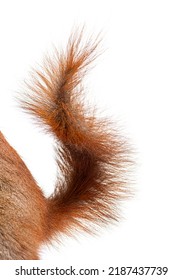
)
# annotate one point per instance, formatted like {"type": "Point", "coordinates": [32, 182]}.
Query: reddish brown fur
{"type": "Point", "coordinates": [92, 161]}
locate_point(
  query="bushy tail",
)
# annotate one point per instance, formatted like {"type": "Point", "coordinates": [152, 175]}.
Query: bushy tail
{"type": "Point", "coordinates": [92, 160]}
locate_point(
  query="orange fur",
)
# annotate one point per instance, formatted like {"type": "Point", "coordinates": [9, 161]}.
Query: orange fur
{"type": "Point", "coordinates": [92, 160]}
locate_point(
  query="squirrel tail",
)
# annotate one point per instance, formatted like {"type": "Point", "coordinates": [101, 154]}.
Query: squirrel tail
{"type": "Point", "coordinates": [92, 159]}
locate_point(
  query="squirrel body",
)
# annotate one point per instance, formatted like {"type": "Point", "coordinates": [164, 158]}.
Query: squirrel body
{"type": "Point", "coordinates": [91, 160]}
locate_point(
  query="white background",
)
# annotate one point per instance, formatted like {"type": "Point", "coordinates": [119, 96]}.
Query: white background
{"type": "Point", "coordinates": [138, 80]}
